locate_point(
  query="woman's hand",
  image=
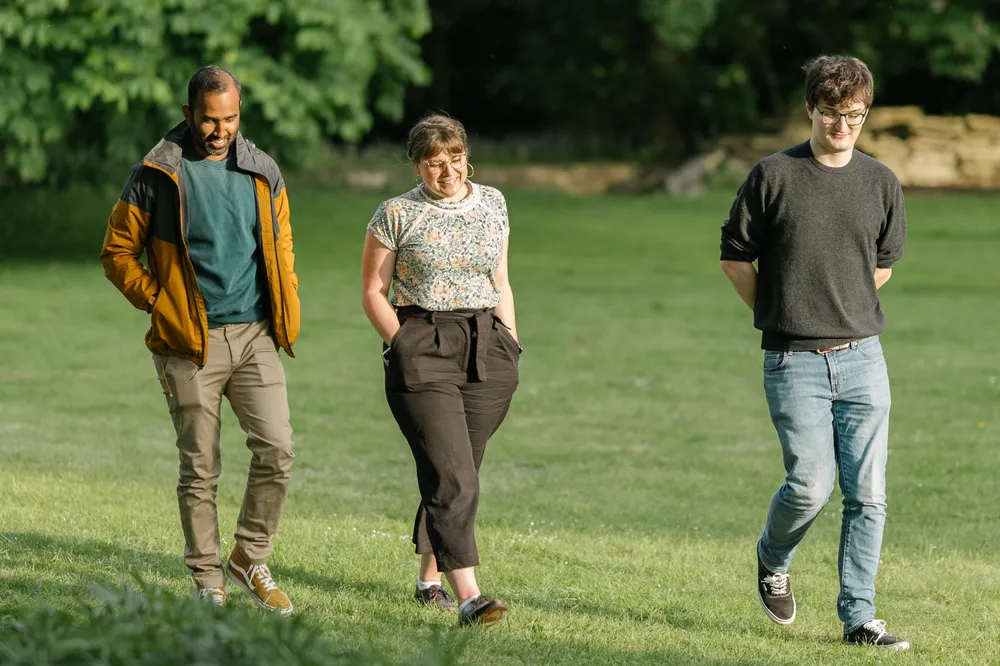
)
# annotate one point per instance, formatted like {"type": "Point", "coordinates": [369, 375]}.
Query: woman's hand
{"type": "Point", "coordinates": [377, 263]}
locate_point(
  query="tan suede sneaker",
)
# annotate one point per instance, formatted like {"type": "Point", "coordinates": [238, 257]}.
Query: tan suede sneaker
{"type": "Point", "coordinates": [255, 579]}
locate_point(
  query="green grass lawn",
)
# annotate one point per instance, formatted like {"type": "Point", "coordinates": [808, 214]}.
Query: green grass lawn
{"type": "Point", "coordinates": [622, 498]}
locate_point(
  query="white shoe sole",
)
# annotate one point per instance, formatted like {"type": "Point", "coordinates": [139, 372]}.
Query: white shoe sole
{"type": "Point", "coordinates": [260, 604]}
{"type": "Point", "coordinates": [901, 646]}
{"type": "Point", "coordinates": [775, 618]}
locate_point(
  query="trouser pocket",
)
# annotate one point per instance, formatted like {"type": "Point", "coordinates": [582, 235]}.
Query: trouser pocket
{"type": "Point", "coordinates": [424, 352]}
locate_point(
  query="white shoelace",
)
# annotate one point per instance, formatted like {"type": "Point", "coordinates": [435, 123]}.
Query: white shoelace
{"type": "Point", "coordinates": [877, 627]}
{"type": "Point", "coordinates": [778, 583]}
{"type": "Point", "coordinates": [263, 574]}
{"type": "Point", "coordinates": [217, 596]}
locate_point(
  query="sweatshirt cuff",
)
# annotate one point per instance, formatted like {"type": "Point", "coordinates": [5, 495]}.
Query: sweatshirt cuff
{"type": "Point", "coordinates": [886, 261]}
{"type": "Point", "coordinates": [730, 253]}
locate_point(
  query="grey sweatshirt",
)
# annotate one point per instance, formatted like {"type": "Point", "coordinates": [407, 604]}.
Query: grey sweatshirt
{"type": "Point", "coordinates": [817, 234]}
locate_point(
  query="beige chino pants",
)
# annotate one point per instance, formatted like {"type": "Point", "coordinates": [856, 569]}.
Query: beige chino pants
{"type": "Point", "coordinates": [242, 365]}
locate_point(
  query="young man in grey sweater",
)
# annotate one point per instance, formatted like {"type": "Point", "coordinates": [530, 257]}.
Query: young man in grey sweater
{"type": "Point", "coordinates": [825, 224]}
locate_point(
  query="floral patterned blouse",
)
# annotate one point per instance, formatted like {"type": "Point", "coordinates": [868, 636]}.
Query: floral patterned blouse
{"type": "Point", "coordinates": [447, 252]}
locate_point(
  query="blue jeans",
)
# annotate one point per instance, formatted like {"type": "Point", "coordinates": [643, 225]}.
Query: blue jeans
{"type": "Point", "coordinates": [831, 412]}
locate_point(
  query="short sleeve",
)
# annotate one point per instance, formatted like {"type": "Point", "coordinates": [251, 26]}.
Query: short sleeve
{"type": "Point", "coordinates": [502, 213]}
{"type": "Point", "coordinates": [496, 207]}
{"type": "Point", "coordinates": [892, 235]}
{"type": "Point", "coordinates": [743, 230]}
{"type": "Point", "coordinates": [383, 228]}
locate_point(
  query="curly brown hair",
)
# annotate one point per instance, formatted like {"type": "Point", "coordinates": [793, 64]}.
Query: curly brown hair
{"type": "Point", "coordinates": [435, 133]}
{"type": "Point", "coordinates": [836, 80]}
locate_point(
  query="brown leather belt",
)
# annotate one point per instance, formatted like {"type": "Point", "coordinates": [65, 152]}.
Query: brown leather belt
{"type": "Point", "coordinates": [846, 345]}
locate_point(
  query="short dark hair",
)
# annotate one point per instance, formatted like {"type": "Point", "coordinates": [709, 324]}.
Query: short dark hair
{"type": "Point", "coordinates": [436, 132]}
{"type": "Point", "coordinates": [837, 79]}
{"type": "Point", "coordinates": [212, 79]}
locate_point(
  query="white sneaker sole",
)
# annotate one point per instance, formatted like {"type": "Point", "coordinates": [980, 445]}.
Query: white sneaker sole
{"type": "Point", "coordinates": [775, 618]}
{"type": "Point", "coordinates": [253, 597]}
{"type": "Point", "coordinates": [208, 600]}
{"type": "Point", "coordinates": [901, 646]}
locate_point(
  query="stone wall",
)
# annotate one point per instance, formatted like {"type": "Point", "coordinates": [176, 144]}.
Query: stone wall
{"type": "Point", "coordinates": [580, 178]}
{"type": "Point", "coordinates": [961, 152]}
{"type": "Point", "coordinates": [948, 152]}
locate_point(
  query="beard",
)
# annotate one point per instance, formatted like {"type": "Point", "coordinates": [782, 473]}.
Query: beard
{"type": "Point", "coordinates": [205, 144]}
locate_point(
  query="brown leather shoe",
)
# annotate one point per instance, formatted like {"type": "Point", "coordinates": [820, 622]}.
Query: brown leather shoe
{"type": "Point", "coordinates": [435, 595]}
{"type": "Point", "coordinates": [484, 612]}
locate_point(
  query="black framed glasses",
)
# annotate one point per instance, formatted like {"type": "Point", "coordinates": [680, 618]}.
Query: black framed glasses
{"type": "Point", "coordinates": [853, 118]}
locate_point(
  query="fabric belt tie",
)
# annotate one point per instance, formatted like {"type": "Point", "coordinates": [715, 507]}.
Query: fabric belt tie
{"type": "Point", "coordinates": [481, 326]}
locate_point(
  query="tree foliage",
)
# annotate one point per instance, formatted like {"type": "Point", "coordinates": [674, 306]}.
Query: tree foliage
{"type": "Point", "coordinates": [657, 76]}
{"type": "Point", "coordinates": [88, 83]}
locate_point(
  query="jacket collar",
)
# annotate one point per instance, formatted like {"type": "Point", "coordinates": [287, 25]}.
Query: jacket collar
{"type": "Point", "coordinates": [166, 154]}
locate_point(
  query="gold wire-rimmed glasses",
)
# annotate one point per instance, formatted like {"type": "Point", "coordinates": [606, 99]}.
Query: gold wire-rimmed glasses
{"type": "Point", "coordinates": [457, 162]}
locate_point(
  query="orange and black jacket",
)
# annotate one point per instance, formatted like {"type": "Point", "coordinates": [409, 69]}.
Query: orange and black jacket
{"type": "Point", "coordinates": [151, 217]}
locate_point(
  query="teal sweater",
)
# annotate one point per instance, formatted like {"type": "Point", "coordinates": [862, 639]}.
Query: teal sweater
{"type": "Point", "coordinates": [222, 238]}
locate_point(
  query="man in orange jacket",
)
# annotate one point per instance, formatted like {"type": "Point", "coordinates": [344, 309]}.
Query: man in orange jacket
{"type": "Point", "coordinates": [210, 212]}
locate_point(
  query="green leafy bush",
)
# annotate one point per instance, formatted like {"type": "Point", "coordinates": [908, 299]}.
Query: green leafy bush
{"type": "Point", "coordinates": [140, 625]}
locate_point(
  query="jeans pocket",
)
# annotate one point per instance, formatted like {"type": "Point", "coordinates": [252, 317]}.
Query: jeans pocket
{"type": "Point", "coordinates": [774, 360]}
{"type": "Point", "coordinates": [870, 348]}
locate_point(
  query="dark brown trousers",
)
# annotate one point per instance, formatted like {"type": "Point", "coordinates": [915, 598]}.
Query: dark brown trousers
{"type": "Point", "coordinates": [449, 380]}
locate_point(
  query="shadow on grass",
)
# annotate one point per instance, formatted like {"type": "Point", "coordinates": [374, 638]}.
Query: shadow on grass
{"type": "Point", "coordinates": [656, 612]}
{"type": "Point", "coordinates": [365, 590]}
{"type": "Point", "coordinates": [35, 564]}
{"type": "Point", "coordinates": [20, 591]}
{"type": "Point", "coordinates": [61, 566]}
{"type": "Point", "coordinates": [40, 569]}
{"type": "Point", "coordinates": [40, 225]}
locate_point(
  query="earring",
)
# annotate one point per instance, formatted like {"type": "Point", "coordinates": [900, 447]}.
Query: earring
{"type": "Point", "coordinates": [472, 171]}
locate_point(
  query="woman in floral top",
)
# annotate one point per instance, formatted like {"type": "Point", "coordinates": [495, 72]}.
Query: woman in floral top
{"type": "Point", "coordinates": [450, 347]}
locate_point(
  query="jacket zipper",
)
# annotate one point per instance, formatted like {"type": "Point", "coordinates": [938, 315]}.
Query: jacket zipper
{"type": "Point", "coordinates": [188, 266]}
{"type": "Point", "coordinates": [276, 228]}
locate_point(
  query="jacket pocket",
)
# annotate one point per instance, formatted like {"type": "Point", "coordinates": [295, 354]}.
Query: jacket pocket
{"type": "Point", "coordinates": [167, 326]}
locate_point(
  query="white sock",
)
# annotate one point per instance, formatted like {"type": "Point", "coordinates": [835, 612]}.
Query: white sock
{"type": "Point", "coordinates": [421, 585]}
{"type": "Point", "coordinates": [467, 604]}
